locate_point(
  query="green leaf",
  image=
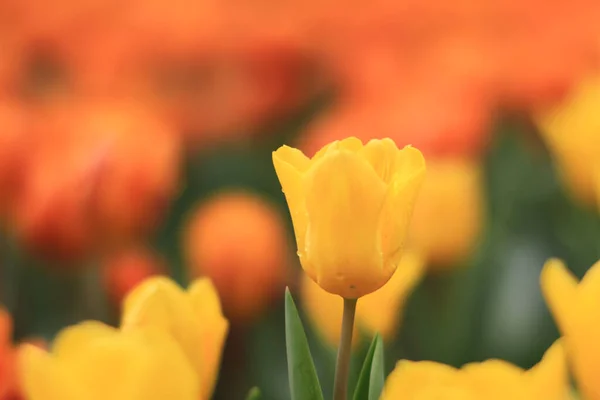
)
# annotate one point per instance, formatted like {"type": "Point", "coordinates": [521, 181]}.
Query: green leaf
{"type": "Point", "coordinates": [372, 376]}
{"type": "Point", "coordinates": [254, 394]}
{"type": "Point", "coordinates": [304, 382]}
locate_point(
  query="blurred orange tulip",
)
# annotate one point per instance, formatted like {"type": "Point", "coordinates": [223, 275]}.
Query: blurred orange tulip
{"type": "Point", "coordinates": [98, 174]}
{"type": "Point", "coordinates": [239, 241]}
{"type": "Point", "coordinates": [449, 212]}
{"type": "Point", "coordinates": [459, 127]}
{"type": "Point", "coordinates": [13, 149]}
{"type": "Point", "coordinates": [125, 270]}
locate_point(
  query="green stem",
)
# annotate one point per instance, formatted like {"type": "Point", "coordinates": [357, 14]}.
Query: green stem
{"type": "Point", "coordinates": [342, 367]}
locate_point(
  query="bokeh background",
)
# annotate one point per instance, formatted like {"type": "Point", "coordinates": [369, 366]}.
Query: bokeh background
{"type": "Point", "coordinates": [136, 139]}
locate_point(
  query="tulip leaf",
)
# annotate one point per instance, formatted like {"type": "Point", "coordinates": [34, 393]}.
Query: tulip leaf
{"type": "Point", "coordinates": [371, 379]}
{"type": "Point", "coordinates": [303, 379]}
{"type": "Point", "coordinates": [254, 394]}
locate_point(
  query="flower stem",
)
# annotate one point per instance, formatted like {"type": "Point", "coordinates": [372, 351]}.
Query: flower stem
{"type": "Point", "coordinates": [342, 367]}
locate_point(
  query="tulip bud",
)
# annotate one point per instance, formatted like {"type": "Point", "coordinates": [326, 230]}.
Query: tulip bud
{"type": "Point", "coordinates": [192, 317]}
{"type": "Point", "coordinates": [94, 361]}
{"type": "Point", "coordinates": [490, 379]}
{"type": "Point", "coordinates": [351, 206]}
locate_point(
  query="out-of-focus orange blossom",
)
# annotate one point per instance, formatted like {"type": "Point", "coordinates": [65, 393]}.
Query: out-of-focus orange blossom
{"type": "Point", "coordinates": [239, 241]}
{"type": "Point", "coordinates": [97, 174]}
{"type": "Point", "coordinates": [14, 137]}
{"type": "Point", "coordinates": [125, 270]}
{"type": "Point", "coordinates": [449, 212]}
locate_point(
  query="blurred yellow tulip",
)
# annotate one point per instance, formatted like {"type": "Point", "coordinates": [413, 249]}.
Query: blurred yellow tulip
{"type": "Point", "coordinates": [572, 131]}
{"type": "Point", "coordinates": [378, 312]}
{"type": "Point", "coordinates": [192, 317]}
{"type": "Point", "coordinates": [575, 310]}
{"type": "Point", "coordinates": [93, 361]}
{"type": "Point", "coordinates": [489, 380]}
{"type": "Point", "coordinates": [351, 206]}
{"type": "Point", "coordinates": [448, 215]}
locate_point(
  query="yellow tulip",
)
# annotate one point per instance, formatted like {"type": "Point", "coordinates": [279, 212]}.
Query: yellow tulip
{"type": "Point", "coordinates": [572, 131]}
{"type": "Point", "coordinates": [378, 312]}
{"type": "Point", "coordinates": [575, 310]}
{"type": "Point", "coordinates": [351, 206]}
{"type": "Point", "coordinates": [489, 380]}
{"type": "Point", "coordinates": [192, 317]}
{"type": "Point", "coordinates": [92, 361]}
{"type": "Point", "coordinates": [449, 212]}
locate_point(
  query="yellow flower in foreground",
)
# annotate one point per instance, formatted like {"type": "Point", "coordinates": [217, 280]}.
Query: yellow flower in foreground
{"type": "Point", "coordinates": [93, 361]}
{"type": "Point", "coordinates": [572, 132]}
{"type": "Point", "coordinates": [449, 212]}
{"type": "Point", "coordinates": [378, 312]}
{"type": "Point", "coordinates": [351, 206]}
{"type": "Point", "coordinates": [193, 318]}
{"type": "Point", "coordinates": [575, 310]}
{"type": "Point", "coordinates": [489, 380]}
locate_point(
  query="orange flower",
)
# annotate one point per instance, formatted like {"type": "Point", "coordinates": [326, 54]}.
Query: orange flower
{"type": "Point", "coordinates": [125, 270]}
{"type": "Point", "coordinates": [99, 173]}
{"type": "Point", "coordinates": [239, 241]}
{"type": "Point", "coordinates": [13, 149]}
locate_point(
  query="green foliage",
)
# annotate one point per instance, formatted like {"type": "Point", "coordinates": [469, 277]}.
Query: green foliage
{"type": "Point", "coordinates": [304, 383]}
{"type": "Point", "coordinates": [372, 375]}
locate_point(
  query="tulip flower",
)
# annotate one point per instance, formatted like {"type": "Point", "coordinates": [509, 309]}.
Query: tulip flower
{"type": "Point", "coordinates": [192, 317]}
{"type": "Point", "coordinates": [491, 379]}
{"type": "Point", "coordinates": [351, 206]}
{"type": "Point", "coordinates": [574, 307]}
{"type": "Point", "coordinates": [239, 241]}
{"type": "Point", "coordinates": [571, 130]}
{"type": "Point", "coordinates": [449, 212]}
{"type": "Point", "coordinates": [378, 312]}
{"type": "Point", "coordinates": [93, 361]}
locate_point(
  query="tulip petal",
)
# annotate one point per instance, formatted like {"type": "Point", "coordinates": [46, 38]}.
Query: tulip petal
{"type": "Point", "coordinates": [292, 183]}
{"type": "Point", "coordinates": [399, 203]}
{"type": "Point", "coordinates": [140, 364]}
{"type": "Point", "coordinates": [559, 287]}
{"type": "Point", "coordinates": [382, 155]}
{"type": "Point", "coordinates": [549, 378]}
{"type": "Point", "coordinates": [73, 339]}
{"type": "Point", "coordinates": [351, 143]}
{"type": "Point", "coordinates": [344, 197]}
{"type": "Point", "coordinates": [413, 380]}
{"type": "Point", "coordinates": [496, 379]}
{"type": "Point", "coordinates": [293, 157]}
{"type": "Point", "coordinates": [44, 378]}
{"type": "Point", "coordinates": [214, 328]}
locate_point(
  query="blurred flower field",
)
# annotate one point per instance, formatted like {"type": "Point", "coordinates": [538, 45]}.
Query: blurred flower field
{"type": "Point", "coordinates": [428, 171]}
